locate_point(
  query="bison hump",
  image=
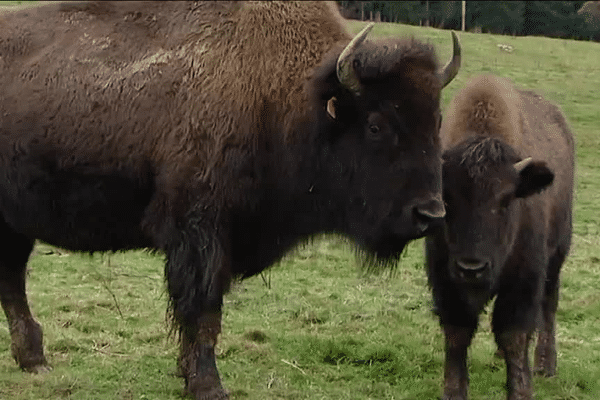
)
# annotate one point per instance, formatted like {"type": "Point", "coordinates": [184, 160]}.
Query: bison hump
{"type": "Point", "coordinates": [487, 106]}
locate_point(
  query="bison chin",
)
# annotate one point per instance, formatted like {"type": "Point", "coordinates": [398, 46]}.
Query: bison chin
{"type": "Point", "coordinates": [383, 248]}
{"type": "Point", "coordinates": [380, 245]}
{"type": "Point", "coordinates": [382, 254]}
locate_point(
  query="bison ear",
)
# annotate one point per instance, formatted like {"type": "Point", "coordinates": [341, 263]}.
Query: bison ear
{"type": "Point", "coordinates": [324, 86]}
{"type": "Point", "coordinates": [534, 176]}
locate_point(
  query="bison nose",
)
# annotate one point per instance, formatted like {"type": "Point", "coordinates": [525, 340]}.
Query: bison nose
{"type": "Point", "coordinates": [429, 214]}
{"type": "Point", "coordinates": [471, 269]}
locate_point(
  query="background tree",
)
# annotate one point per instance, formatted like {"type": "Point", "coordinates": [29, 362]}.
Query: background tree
{"type": "Point", "coordinates": [590, 11]}
{"type": "Point", "coordinates": [545, 18]}
{"type": "Point", "coordinates": [496, 16]}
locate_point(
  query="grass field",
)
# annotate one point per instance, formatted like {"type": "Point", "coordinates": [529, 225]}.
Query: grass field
{"type": "Point", "coordinates": [313, 327]}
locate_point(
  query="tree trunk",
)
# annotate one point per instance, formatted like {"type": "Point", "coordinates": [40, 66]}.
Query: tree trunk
{"type": "Point", "coordinates": [362, 10]}
{"type": "Point", "coordinates": [464, 14]}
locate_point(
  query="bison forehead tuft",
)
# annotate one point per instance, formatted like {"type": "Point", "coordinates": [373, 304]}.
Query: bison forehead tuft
{"type": "Point", "coordinates": [375, 61]}
{"type": "Point", "coordinates": [481, 154]}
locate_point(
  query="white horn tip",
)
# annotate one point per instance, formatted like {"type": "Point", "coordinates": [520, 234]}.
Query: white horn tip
{"type": "Point", "coordinates": [521, 165]}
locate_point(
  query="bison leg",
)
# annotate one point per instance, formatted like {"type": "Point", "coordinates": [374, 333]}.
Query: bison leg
{"type": "Point", "coordinates": [197, 358]}
{"type": "Point", "coordinates": [197, 276]}
{"type": "Point", "coordinates": [456, 374]}
{"type": "Point", "coordinates": [25, 333]}
{"type": "Point", "coordinates": [515, 345]}
{"type": "Point", "coordinates": [514, 321]}
{"type": "Point", "coordinates": [545, 351]}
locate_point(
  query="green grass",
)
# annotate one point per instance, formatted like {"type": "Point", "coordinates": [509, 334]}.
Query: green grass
{"type": "Point", "coordinates": [323, 331]}
{"type": "Point", "coordinates": [7, 3]}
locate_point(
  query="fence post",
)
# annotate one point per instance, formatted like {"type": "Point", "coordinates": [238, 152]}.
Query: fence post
{"type": "Point", "coordinates": [464, 14]}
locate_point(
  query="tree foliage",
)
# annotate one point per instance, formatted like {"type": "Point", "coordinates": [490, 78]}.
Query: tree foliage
{"type": "Point", "coordinates": [564, 19]}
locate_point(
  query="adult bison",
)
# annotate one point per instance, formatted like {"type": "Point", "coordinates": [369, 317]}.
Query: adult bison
{"type": "Point", "coordinates": [220, 133]}
{"type": "Point", "coordinates": [508, 187]}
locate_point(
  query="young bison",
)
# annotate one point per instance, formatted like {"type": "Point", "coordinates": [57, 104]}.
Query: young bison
{"type": "Point", "coordinates": [508, 187]}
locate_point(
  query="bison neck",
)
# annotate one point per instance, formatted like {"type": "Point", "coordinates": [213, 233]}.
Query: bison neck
{"type": "Point", "coordinates": [292, 204]}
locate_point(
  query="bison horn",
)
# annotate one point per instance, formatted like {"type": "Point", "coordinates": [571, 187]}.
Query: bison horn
{"type": "Point", "coordinates": [521, 165]}
{"type": "Point", "coordinates": [344, 69]}
{"type": "Point", "coordinates": [451, 69]}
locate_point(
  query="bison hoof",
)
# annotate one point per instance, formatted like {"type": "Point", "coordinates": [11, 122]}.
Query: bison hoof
{"type": "Point", "coordinates": [455, 395]}
{"type": "Point", "coordinates": [545, 364]}
{"type": "Point", "coordinates": [545, 370]}
{"type": "Point", "coordinates": [206, 388]}
{"type": "Point", "coordinates": [525, 395]}
{"type": "Point", "coordinates": [38, 369]}
{"type": "Point", "coordinates": [213, 394]}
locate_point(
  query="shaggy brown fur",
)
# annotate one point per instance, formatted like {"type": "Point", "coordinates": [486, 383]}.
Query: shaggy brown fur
{"type": "Point", "coordinates": [508, 229]}
{"type": "Point", "coordinates": [204, 63]}
{"type": "Point", "coordinates": [488, 106]}
{"type": "Point", "coordinates": [201, 129]}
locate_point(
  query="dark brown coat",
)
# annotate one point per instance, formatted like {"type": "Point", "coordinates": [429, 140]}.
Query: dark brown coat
{"type": "Point", "coordinates": [221, 133]}
{"type": "Point", "coordinates": [508, 187]}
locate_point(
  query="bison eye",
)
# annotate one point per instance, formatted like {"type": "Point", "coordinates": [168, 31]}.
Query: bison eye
{"type": "Point", "coordinates": [397, 107]}
{"type": "Point", "coordinates": [374, 129]}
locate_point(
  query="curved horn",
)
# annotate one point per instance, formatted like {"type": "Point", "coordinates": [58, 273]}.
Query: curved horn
{"type": "Point", "coordinates": [344, 69]}
{"type": "Point", "coordinates": [451, 69]}
{"type": "Point", "coordinates": [521, 165]}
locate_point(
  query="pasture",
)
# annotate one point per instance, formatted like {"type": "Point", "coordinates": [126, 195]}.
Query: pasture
{"type": "Point", "coordinates": [314, 327]}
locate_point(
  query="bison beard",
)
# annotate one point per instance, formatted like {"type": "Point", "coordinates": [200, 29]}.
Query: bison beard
{"type": "Point", "coordinates": [220, 133]}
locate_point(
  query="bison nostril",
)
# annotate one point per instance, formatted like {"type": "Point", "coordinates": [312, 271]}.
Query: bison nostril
{"type": "Point", "coordinates": [429, 215]}
{"type": "Point", "coordinates": [431, 210]}
{"type": "Point", "coordinates": [471, 267]}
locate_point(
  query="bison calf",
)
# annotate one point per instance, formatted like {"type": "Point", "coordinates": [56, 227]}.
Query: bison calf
{"type": "Point", "coordinates": [508, 163]}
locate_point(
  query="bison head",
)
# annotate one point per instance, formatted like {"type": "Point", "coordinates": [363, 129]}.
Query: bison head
{"type": "Point", "coordinates": [381, 106]}
{"type": "Point", "coordinates": [485, 185]}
